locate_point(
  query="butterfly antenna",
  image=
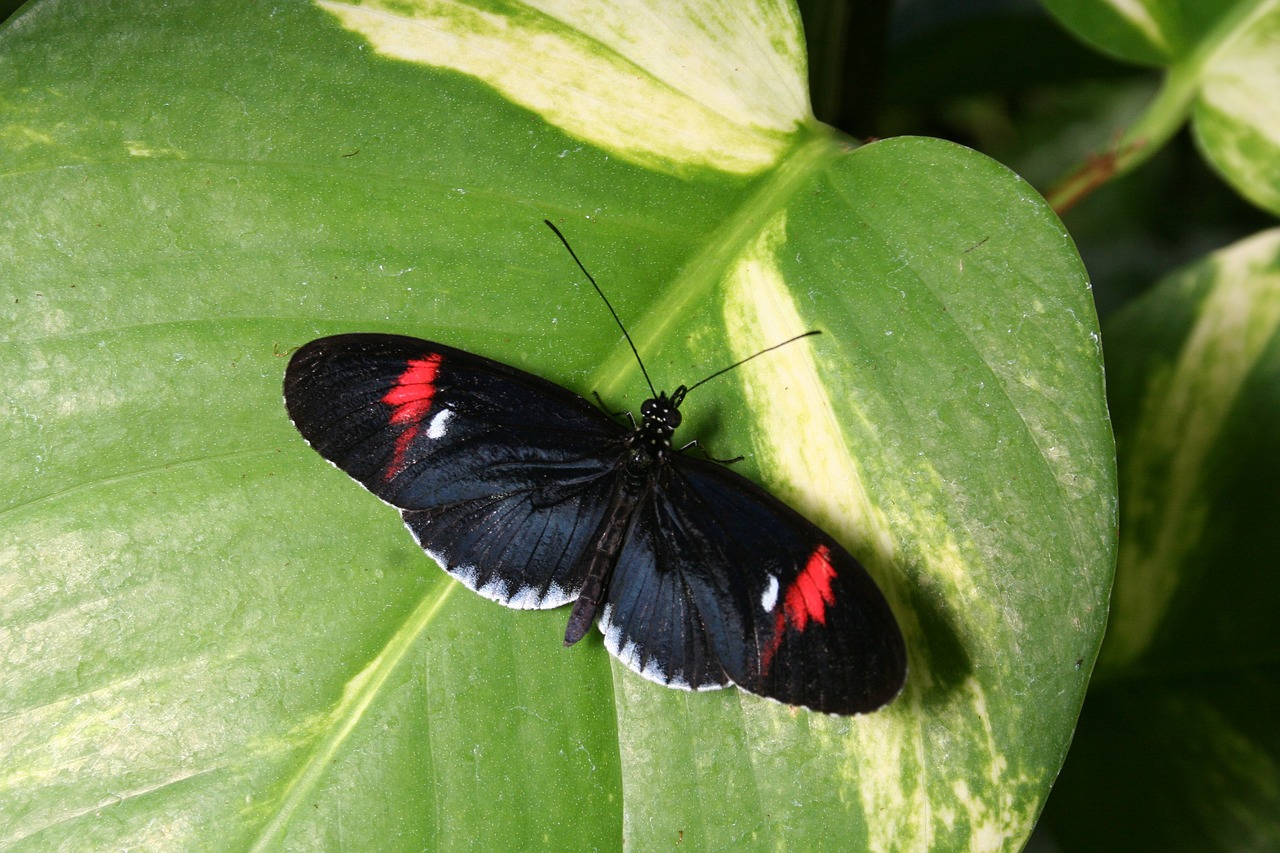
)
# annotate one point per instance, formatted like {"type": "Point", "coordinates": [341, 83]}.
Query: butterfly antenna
{"type": "Point", "coordinates": [616, 319]}
{"type": "Point", "coordinates": [723, 370]}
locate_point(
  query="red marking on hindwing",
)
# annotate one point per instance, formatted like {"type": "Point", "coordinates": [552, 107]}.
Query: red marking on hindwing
{"type": "Point", "coordinates": [807, 598]}
{"type": "Point", "coordinates": [411, 398]}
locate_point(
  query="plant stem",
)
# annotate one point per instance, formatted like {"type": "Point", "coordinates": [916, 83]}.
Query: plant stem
{"type": "Point", "coordinates": [1165, 114]}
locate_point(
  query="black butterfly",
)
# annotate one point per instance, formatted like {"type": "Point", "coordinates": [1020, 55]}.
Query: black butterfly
{"type": "Point", "coordinates": [535, 498]}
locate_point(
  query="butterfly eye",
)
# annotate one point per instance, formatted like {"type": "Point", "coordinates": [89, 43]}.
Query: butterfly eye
{"type": "Point", "coordinates": [672, 418]}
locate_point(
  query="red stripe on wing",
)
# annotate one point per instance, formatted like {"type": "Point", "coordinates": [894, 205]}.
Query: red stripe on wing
{"type": "Point", "coordinates": [810, 594]}
{"type": "Point", "coordinates": [411, 397]}
{"type": "Point", "coordinates": [807, 598]}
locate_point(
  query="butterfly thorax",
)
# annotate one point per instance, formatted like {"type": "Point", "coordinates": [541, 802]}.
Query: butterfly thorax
{"type": "Point", "coordinates": [648, 447]}
{"type": "Point", "coordinates": [651, 442]}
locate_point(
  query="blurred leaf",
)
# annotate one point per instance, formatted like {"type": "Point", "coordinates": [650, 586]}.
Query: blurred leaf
{"type": "Point", "coordinates": [1178, 748]}
{"type": "Point", "coordinates": [1237, 116]}
{"type": "Point", "coordinates": [1223, 72]}
{"type": "Point", "coordinates": [215, 641]}
{"type": "Point", "coordinates": [1152, 32]}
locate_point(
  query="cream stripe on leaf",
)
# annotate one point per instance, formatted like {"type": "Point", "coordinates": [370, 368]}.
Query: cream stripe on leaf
{"type": "Point", "coordinates": [1141, 17]}
{"type": "Point", "coordinates": [907, 806]}
{"type": "Point", "coordinates": [674, 86]}
{"type": "Point", "coordinates": [761, 309]}
{"type": "Point", "coordinates": [1178, 432]}
{"type": "Point", "coordinates": [1238, 113]}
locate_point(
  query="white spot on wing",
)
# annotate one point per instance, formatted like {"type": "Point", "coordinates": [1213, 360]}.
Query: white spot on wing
{"type": "Point", "coordinates": [627, 652]}
{"type": "Point", "coordinates": [612, 633]}
{"type": "Point", "coordinates": [770, 598]}
{"type": "Point", "coordinates": [629, 655]}
{"type": "Point", "coordinates": [558, 595]}
{"type": "Point", "coordinates": [654, 672]}
{"type": "Point", "coordinates": [495, 590]}
{"type": "Point", "coordinates": [466, 575]}
{"type": "Point", "coordinates": [525, 598]}
{"type": "Point", "coordinates": [439, 424]}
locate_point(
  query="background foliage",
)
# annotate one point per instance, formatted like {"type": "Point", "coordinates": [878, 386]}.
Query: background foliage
{"type": "Point", "coordinates": [1149, 124]}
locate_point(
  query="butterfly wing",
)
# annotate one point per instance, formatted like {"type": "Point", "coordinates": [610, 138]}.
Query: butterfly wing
{"type": "Point", "coordinates": [779, 607]}
{"type": "Point", "coordinates": [498, 474]}
{"type": "Point", "coordinates": [650, 619]}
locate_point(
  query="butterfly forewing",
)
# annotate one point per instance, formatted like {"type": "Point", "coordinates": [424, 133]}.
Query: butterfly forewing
{"type": "Point", "coordinates": [498, 473]}
{"type": "Point", "coordinates": [421, 424]}
{"type": "Point", "coordinates": [788, 612]}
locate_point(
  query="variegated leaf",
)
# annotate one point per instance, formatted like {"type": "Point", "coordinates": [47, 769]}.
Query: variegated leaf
{"type": "Point", "coordinates": [213, 641]}
{"type": "Point", "coordinates": [1176, 749]}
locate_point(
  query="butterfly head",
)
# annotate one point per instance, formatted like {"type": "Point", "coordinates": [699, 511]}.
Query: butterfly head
{"type": "Point", "coordinates": [661, 416]}
{"type": "Point", "coordinates": [662, 413]}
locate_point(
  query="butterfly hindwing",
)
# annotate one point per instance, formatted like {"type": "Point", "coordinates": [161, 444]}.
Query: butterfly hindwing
{"type": "Point", "coordinates": [786, 612]}
{"type": "Point", "coordinates": [498, 473]}
{"type": "Point", "coordinates": [511, 547]}
{"type": "Point", "coordinates": [650, 622]}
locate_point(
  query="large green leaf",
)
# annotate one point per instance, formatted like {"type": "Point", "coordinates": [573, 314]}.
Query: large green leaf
{"type": "Point", "coordinates": [1223, 71]}
{"type": "Point", "coordinates": [1178, 747]}
{"type": "Point", "coordinates": [213, 640]}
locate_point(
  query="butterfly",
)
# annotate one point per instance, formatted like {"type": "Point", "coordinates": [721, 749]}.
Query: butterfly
{"type": "Point", "coordinates": [530, 495]}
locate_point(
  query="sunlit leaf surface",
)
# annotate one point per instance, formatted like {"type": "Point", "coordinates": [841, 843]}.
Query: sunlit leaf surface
{"type": "Point", "coordinates": [213, 640]}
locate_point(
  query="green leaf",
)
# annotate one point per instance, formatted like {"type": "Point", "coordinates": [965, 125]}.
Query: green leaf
{"type": "Point", "coordinates": [1153, 32]}
{"type": "Point", "coordinates": [1177, 748]}
{"type": "Point", "coordinates": [215, 641]}
{"type": "Point", "coordinates": [1236, 118]}
{"type": "Point", "coordinates": [1222, 71]}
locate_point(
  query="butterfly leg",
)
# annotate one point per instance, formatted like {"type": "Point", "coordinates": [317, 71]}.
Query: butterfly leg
{"type": "Point", "coordinates": [630, 417]}
{"type": "Point", "coordinates": [703, 451]}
